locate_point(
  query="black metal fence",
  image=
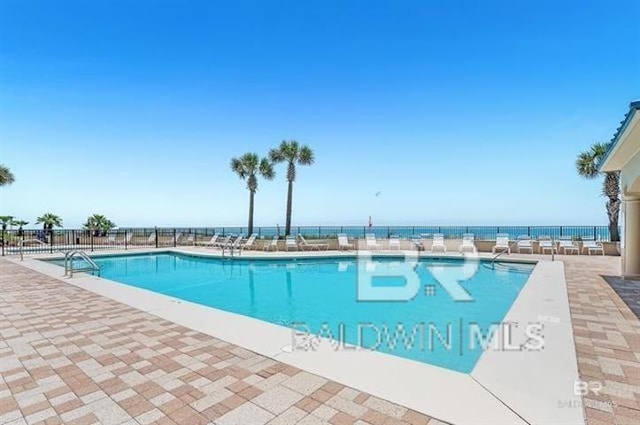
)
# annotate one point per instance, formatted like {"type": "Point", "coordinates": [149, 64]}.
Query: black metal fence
{"type": "Point", "coordinates": [41, 241]}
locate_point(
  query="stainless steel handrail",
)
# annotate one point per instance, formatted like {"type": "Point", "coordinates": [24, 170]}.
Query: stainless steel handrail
{"type": "Point", "coordinates": [21, 244]}
{"type": "Point", "coordinates": [68, 262]}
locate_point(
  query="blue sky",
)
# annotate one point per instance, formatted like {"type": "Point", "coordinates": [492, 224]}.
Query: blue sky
{"type": "Point", "coordinates": [457, 112]}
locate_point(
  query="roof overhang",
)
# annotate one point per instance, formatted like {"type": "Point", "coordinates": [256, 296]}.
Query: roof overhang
{"type": "Point", "coordinates": [625, 143]}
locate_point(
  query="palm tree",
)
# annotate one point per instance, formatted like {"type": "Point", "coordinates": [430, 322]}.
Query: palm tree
{"type": "Point", "coordinates": [6, 220]}
{"type": "Point", "coordinates": [587, 166]}
{"type": "Point", "coordinates": [248, 167]}
{"type": "Point", "coordinates": [292, 153]}
{"type": "Point", "coordinates": [49, 221]}
{"type": "Point", "coordinates": [20, 224]}
{"type": "Point", "coordinates": [6, 176]}
{"type": "Point", "coordinates": [99, 224]}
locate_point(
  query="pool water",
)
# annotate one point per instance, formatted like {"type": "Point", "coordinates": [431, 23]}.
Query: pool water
{"type": "Point", "coordinates": [321, 296]}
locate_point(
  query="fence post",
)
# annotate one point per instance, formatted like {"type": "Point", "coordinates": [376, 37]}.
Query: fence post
{"type": "Point", "coordinates": [91, 240]}
{"type": "Point", "coordinates": [319, 232]}
{"type": "Point", "coordinates": [388, 232]}
{"type": "Point", "coordinates": [125, 240]}
{"type": "Point", "coordinates": [3, 242]}
{"type": "Point", "coordinates": [156, 230]}
{"type": "Point", "coordinates": [594, 233]}
{"type": "Point", "coordinates": [560, 231]}
{"type": "Point", "coordinates": [52, 237]}
{"type": "Point", "coordinates": [174, 237]}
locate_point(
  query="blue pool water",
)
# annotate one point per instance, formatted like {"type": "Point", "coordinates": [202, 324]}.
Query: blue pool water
{"type": "Point", "coordinates": [321, 296]}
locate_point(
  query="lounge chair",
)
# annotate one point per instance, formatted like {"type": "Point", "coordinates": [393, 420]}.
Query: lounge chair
{"type": "Point", "coordinates": [370, 239]}
{"type": "Point", "coordinates": [524, 244]}
{"type": "Point", "coordinates": [546, 244]}
{"type": "Point", "coordinates": [502, 243]}
{"type": "Point", "coordinates": [290, 243]}
{"type": "Point", "coordinates": [152, 238]}
{"type": "Point", "coordinates": [304, 245]}
{"type": "Point", "coordinates": [210, 242]}
{"type": "Point", "coordinates": [190, 240]}
{"type": "Point", "coordinates": [249, 242]}
{"type": "Point", "coordinates": [223, 243]}
{"type": "Point", "coordinates": [273, 244]}
{"type": "Point", "coordinates": [343, 242]}
{"type": "Point", "coordinates": [568, 246]}
{"type": "Point", "coordinates": [468, 243]}
{"type": "Point", "coordinates": [111, 238]}
{"type": "Point", "coordinates": [235, 245]}
{"type": "Point", "coordinates": [416, 243]}
{"type": "Point", "coordinates": [592, 246]}
{"type": "Point", "coordinates": [176, 238]}
{"type": "Point", "coordinates": [394, 243]}
{"type": "Point", "coordinates": [129, 236]}
{"type": "Point", "coordinates": [438, 243]}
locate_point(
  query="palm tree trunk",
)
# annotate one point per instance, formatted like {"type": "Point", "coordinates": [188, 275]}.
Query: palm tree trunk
{"type": "Point", "coordinates": [287, 230]}
{"type": "Point", "coordinates": [250, 227]}
{"type": "Point", "coordinates": [613, 211]}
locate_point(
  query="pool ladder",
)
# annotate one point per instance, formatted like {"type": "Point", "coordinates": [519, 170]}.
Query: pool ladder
{"type": "Point", "coordinates": [68, 263]}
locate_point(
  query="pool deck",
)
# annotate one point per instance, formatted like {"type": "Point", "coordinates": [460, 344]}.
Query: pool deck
{"type": "Point", "coordinates": [51, 349]}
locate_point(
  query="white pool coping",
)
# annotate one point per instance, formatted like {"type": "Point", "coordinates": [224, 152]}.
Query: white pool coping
{"type": "Point", "coordinates": [503, 388]}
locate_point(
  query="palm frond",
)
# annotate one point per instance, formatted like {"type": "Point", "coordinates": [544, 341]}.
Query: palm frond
{"type": "Point", "coordinates": [306, 156]}
{"type": "Point", "coordinates": [6, 176]}
{"type": "Point", "coordinates": [266, 169]}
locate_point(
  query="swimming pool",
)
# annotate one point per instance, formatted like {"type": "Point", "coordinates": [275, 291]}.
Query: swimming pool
{"type": "Point", "coordinates": [433, 325]}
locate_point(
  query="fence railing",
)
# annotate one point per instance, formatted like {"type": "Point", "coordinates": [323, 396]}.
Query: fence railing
{"type": "Point", "coordinates": [125, 238]}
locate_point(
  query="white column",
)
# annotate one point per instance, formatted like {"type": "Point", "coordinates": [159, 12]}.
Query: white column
{"type": "Point", "coordinates": [631, 248]}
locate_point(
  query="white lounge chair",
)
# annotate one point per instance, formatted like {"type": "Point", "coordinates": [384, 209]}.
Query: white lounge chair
{"type": "Point", "coordinates": [502, 243]}
{"type": "Point", "coordinates": [290, 243]}
{"type": "Point", "coordinates": [235, 245]}
{"type": "Point", "coordinates": [224, 242]}
{"type": "Point", "coordinates": [190, 240]}
{"type": "Point", "coordinates": [152, 238]}
{"type": "Point", "coordinates": [271, 245]}
{"type": "Point", "coordinates": [468, 243]}
{"type": "Point", "coordinates": [343, 242]}
{"type": "Point", "coordinates": [592, 246]}
{"type": "Point", "coordinates": [438, 243]}
{"type": "Point", "coordinates": [250, 242]}
{"type": "Point", "coordinates": [304, 245]}
{"type": "Point", "coordinates": [210, 242]}
{"type": "Point", "coordinates": [177, 237]}
{"type": "Point", "coordinates": [129, 236]}
{"type": "Point", "coordinates": [394, 243]}
{"type": "Point", "coordinates": [371, 243]}
{"type": "Point", "coordinates": [111, 238]}
{"type": "Point", "coordinates": [546, 244]}
{"type": "Point", "coordinates": [524, 244]}
{"type": "Point", "coordinates": [568, 246]}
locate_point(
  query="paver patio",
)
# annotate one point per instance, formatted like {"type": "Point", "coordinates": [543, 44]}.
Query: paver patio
{"type": "Point", "coordinates": [70, 356]}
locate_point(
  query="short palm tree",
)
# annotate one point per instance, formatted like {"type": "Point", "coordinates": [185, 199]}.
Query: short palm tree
{"type": "Point", "coordinates": [6, 176]}
{"type": "Point", "coordinates": [248, 167]}
{"type": "Point", "coordinates": [6, 220]}
{"type": "Point", "coordinates": [292, 153]}
{"type": "Point", "coordinates": [49, 221]}
{"type": "Point", "coordinates": [99, 224]}
{"type": "Point", "coordinates": [587, 166]}
{"type": "Point", "coordinates": [20, 224]}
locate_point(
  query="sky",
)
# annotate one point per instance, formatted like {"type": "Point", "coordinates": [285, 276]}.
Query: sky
{"type": "Point", "coordinates": [452, 112]}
